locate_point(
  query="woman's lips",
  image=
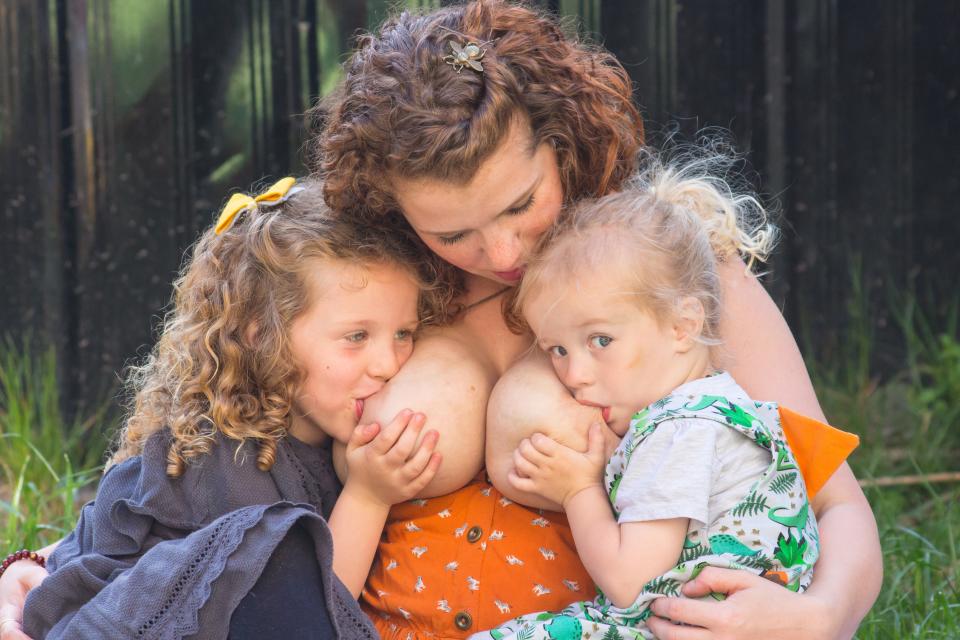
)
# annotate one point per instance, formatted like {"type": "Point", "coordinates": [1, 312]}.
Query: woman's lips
{"type": "Point", "coordinates": [605, 413]}
{"type": "Point", "coordinates": [510, 276]}
{"type": "Point", "coordinates": [358, 408]}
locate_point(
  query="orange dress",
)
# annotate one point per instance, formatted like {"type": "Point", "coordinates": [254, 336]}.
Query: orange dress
{"type": "Point", "coordinates": [448, 567]}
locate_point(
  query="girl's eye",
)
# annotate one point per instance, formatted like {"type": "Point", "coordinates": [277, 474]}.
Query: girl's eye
{"type": "Point", "coordinates": [600, 342]}
{"type": "Point", "coordinates": [357, 337]}
{"type": "Point", "coordinates": [557, 351]}
{"type": "Point", "coordinates": [455, 238]}
{"type": "Point", "coordinates": [522, 208]}
{"type": "Point", "coordinates": [404, 334]}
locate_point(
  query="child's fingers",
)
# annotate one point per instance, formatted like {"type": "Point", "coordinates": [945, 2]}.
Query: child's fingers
{"type": "Point", "coordinates": [545, 444]}
{"type": "Point", "coordinates": [428, 473]}
{"type": "Point", "coordinates": [521, 484]}
{"type": "Point", "coordinates": [596, 444]}
{"type": "Point", "coordinates": [389, 434]}
{"type": "Point", "coordinates": [362, 435]}
{"type": "Point", "coordinates": [523, 466]}
{"type": "Point", "coordinates": [405, 444]}
{"type": "Point", "coordinates": [421, 457]}
{"type": "Point", "coordinates": [531, 453]}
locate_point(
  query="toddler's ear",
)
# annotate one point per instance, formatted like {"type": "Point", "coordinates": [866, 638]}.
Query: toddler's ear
{"type": "Point", "coordinates": [688, 323]}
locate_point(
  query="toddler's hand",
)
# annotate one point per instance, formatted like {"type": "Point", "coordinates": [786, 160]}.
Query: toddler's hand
{"type": "Point", "coordinates": [554, 471]}
{"type": "Point", "coordinates": [389, 465]}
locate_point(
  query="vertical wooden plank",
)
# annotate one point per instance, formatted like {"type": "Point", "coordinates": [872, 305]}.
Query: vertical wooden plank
{"type": "Point", "coordinates": [642, 34]}
{"type": "Point", "coordinates": [810, 205]}
{"type": "Point", "coordinates": [32, 251]}
{"type": "Point", "coordinates": [774, 169]}
{"type": "Point", "coordinates": [934, 215]}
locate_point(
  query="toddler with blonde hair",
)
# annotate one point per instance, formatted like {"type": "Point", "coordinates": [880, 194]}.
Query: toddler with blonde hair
{"type": "Point", "coordinates": [624, 297]}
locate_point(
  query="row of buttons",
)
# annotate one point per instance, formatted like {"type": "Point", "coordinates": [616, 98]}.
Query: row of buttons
{"type": "Point", "coordinates": [462, 619]}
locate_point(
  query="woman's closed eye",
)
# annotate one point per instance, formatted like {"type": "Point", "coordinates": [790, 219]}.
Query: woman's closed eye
{"type": "Point", "coordinates": [516, 211]}
{"type": "Point", "coordinates": [600, 341]}
{"type": "Point", "coordinates": [452, 239]}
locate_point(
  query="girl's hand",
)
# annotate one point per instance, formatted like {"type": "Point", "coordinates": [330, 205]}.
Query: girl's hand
{"type": "Point", "coordinates": [754, 608]}
{"type": "Point", "coordinates": [392, 464]}
{"type": "Point", "coordinates": [556, 472]}
{"type": "Point", "coordinates": [15, 583]}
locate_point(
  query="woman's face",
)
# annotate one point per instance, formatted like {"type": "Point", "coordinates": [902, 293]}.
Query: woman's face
{"type": "Point", "coordinates": [490, 225]}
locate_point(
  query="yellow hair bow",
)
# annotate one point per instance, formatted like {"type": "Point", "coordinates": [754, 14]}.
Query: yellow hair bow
{"type": "Point", "coordinates": [278, 192]}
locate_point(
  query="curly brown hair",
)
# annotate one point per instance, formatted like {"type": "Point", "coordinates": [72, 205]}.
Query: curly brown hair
{"type": "Point", "coordinates": [222, 362]}
{"type": "Point", "coordinates": [402, 111]}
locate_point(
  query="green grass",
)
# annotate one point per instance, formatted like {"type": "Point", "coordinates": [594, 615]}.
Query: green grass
{"type": "Point", "coordinates": [46, 463]}
{"type": "Point", "coordinates": [907, 419]}
{"type": "Point", "coordinates": [909, 423]}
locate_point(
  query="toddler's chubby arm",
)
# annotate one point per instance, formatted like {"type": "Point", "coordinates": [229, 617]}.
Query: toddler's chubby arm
{"type": "Point", "coordinates": [530, 399]}
{"type": "Point", "coordinates": [620, 558]}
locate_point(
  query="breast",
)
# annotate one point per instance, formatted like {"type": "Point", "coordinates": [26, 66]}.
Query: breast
{"type": "Point", "coordinates": [449, 383]}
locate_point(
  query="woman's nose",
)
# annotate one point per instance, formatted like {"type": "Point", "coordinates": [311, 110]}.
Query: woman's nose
{"type": "Point", "coordinates": [503, 249]}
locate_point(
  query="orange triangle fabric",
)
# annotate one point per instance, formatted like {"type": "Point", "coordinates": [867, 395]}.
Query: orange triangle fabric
{"type": "Point", "coordinates": [819, 448]}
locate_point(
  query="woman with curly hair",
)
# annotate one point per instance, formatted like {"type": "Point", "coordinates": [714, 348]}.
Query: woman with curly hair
{"type": "Point", "coordinates": [469, 128]}
{"type": "Point", "coordinates": [284, 320]}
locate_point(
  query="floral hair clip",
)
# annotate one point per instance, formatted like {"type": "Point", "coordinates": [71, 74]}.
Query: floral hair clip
{"type": "Point", "coordinates": [278, 192]}
{"type": "Point", "coordinates": [468, 55]}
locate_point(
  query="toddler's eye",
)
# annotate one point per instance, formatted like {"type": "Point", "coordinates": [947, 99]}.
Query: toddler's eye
{"type": "Point", "coordinates": [357, 336]}
{"type": "Point", "coordinates": [403, 334]}
{"type": "Point", "coordinates": [557, 351]}
{"type": "Point", "coordinates": [600, 341]}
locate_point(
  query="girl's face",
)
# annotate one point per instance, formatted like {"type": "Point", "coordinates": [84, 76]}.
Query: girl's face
{"type": "Point", "coordinates": [355, 336]}
{"type": "Point", "coordinates": [605, 350]}
{"type": "Point", "coordinates": [490, 225]}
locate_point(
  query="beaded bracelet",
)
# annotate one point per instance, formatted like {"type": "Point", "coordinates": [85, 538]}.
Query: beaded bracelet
{"type": "Point", "coordinates": [23, 554]}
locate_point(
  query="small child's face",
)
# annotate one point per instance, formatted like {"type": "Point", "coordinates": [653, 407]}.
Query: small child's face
{"type": "Point", "coordinates": [353, 338]}
{"type": "Point", "coordinates": [607, 351]}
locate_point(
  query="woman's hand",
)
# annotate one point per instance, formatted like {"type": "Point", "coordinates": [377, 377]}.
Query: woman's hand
{"type": "Point", "coordinates": [15, 583]}
{"type": "Point", "coordinates": [754, 608]}
{"type": "Point", "coordinates": [545, 467]}
{"type": "Point", "coordinates": [392, 464]}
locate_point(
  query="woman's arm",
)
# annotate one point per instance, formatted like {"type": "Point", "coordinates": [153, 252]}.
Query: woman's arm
{"type": "Point", "coordinates": [763, 357]}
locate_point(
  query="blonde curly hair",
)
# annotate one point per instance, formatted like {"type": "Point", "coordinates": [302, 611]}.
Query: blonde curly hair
{"type": "Point", "coordinates": [222, 362]}
{"type": "Point", "coordinates": [667, 230]}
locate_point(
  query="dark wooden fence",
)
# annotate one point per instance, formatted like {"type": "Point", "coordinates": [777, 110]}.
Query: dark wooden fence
{"type": "Point", "coordinates": [123, 125]}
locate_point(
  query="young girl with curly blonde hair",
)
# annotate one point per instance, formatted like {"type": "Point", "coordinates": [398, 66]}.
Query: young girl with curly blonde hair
{"type": "Point", "coordinates": [284, 321]}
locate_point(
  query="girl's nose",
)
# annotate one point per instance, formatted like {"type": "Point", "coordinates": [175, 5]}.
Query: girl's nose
{"type": "Point", "coordinates": [577, 373]}
{"type": "Point", "coordinates": [385, 361]}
